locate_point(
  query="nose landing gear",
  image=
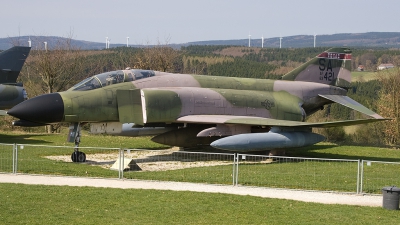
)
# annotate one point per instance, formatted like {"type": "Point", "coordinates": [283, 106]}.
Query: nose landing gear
{"type": "Point", "coordinates": [78, 156]}
{"type": "Point", "coordinates": [75, 136]}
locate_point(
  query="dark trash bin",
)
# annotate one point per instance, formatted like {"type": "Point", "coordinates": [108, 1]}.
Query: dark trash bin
{"type": "Point", "coordinates": [391, 197]}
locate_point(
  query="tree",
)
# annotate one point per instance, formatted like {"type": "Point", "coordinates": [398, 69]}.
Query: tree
{"type": "Point", "coordinates": [52, 68]}
{"type": "Point", "coordinates": [389, 103]}
{"type": "Point", "coordinates": [369, 60]}
{"type": "Point", "coordinates": [57, 66]}
{"type": "Point", "coordinates": [159, 57]}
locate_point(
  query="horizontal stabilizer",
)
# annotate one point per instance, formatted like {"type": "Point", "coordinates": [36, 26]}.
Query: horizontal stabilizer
{"type": "Point", "coordinates": [348, 102]}
{"type": "Point", "coordinates": [259, 121]}
{"type": "Point", "coordinates": [11, 62]}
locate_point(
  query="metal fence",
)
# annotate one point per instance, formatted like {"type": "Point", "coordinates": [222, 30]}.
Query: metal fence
{"type": "Point", "coordinates": [298, 173]}
{"type": "Point", "coordinates": [167, 165]}
{"type": "Point", "coordinates": [341, 175]}
{"type": "Point", "coordinates": [7, 158]}
{"type": "Point", "coordinates": [56, 160]}
{"type": "Point", "coordinates": [378, 174]}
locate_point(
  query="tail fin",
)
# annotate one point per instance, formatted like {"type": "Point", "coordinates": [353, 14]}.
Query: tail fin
{"type": "Point", "coordinates": [11, 62]}
{"type": "Point", "coordinates": [331, 67]}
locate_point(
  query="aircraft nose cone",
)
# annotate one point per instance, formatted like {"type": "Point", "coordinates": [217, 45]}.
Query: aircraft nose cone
{"type": "Point", "coordinates": [48, 108]}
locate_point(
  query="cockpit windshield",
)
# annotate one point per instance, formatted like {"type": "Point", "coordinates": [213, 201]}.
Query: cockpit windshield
{"type": "Point", "coordinates": [113, 77]}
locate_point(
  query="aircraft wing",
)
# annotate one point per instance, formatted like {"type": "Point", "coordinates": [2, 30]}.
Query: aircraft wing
{"type": "Point", "coordinates": [259, 121]}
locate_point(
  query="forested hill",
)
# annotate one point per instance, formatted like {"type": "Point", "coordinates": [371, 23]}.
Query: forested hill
{"type": "Point", "coordinates": [371, 39]}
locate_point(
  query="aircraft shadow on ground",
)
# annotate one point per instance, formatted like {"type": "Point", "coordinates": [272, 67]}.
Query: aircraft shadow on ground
{"type": "Point", "coordinates": [22, 139]}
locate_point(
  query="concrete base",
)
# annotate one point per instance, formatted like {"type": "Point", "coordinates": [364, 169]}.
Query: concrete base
{"type": "Point", "coordinates": [129, 164]}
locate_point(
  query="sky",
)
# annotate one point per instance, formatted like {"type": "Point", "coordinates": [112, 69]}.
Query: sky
{"type": "Point", "coordinates": [181, 21]}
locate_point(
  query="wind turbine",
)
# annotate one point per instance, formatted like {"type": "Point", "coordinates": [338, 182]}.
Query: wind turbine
{"type": "Point", "coordinates": [106, 42]}
{"type": "Point", "coordinates": [249, 40]}
{"type": "Point", "coordinates": [45, 45]}
{"type": "Point", "coordinates": [262, 41]}
{"type": "Point", "coordinates": [127, 41]}
{"type": "Point", "coordinates": [30, 42]}
{"type": "Point", "coordinates": [315, 38]}
{"type": "Point", "coordinates": [280, 42]}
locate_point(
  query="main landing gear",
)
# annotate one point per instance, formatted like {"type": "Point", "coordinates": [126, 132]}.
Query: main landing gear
{"type": "Point", "coordinates": [75, 136]}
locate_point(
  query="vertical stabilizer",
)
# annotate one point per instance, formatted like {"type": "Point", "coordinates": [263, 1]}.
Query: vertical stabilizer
{"type": "Point", "coordinates": [332, 67]}
{"type": "Point", "coordinates": [11, 62]}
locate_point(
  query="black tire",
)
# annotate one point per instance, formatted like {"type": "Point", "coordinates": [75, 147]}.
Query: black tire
{"type": "Point", "coordinates": [78, 157]}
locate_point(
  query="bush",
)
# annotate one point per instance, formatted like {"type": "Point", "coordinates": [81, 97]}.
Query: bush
{"type": "Point", "coordinates": [334, 134]}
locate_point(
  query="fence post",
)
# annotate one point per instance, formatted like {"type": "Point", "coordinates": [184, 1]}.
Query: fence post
{"type": "Point", "coordinates": [121, 163]}
{"type": "Point", "coordinates": [237, 170]}
{"type": "Point", "coordinates": [358, 177]}
{"type": "Point", "coordinates": [14, 156]}
{"type": "Point", "coordinates": [361, 177]}
{"type": "Point", "coordinates": [233, 169]}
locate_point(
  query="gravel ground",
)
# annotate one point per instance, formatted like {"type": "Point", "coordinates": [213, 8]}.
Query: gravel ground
{"type": "Point", "coordinates": [159, 160]}
{"type": "Point", "coordinates": [305, 196]}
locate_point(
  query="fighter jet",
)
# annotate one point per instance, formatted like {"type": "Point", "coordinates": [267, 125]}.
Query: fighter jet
{"type": "Point", "coordinates": [11, 62]}
{"type": "Point", "coordinates": [228, 113]}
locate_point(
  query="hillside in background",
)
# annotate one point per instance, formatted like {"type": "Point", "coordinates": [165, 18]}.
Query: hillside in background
{"type": "Point", "coordinates": [371, 39]}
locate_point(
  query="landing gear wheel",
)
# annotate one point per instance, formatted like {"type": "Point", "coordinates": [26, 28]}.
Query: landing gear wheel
{"type": "Point", "coordinates": [78, 157]}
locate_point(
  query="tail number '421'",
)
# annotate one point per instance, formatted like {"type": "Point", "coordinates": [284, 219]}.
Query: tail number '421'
{"type": "Point", "coordinates": [325, 75]}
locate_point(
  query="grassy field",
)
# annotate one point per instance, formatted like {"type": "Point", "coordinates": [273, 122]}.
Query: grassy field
{"type": "Point", "coordinates": [36, 204]}
{"type": "Point", "coordinates": [295, 174]}
{"type": "Point", "coordinates": [362, 76]}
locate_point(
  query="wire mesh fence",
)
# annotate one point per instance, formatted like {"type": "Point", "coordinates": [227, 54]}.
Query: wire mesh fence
{"type": "Point", "coordinates": [7, 158]}
{"type": "Point", "coordinates": [378, 174]}
{"type": "Point", "coordinates": [56, 160]}
{"type": "Point", "coordinates": [203, 167]}
{"type": "Point", "coordinates": [298, 173]}
{"type": "Point", "coordinates": [169, 165]}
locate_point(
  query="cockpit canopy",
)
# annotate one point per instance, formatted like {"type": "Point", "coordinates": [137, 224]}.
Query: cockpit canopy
{"type": "Point", "coordinates": [113, 77]}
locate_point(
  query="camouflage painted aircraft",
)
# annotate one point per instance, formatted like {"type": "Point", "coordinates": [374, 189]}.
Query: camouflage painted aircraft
{"type": "Point", "coordinates": [11, 62]}
{"type": "Point", "coordinates": [229, 113]}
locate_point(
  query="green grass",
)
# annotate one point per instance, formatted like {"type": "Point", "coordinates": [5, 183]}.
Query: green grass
{"type": "Point", "coordinates": [334, 151]}
{"type": "Point", "coordinates": [38, 204]}
{"type": "Point", "coordinates": [362, 76]}
{"type": "Point", "coordinates": [308, 175]}
{"type": "Point", "coordinates": [31, 158]}
{"type": "Point", "coordinates": [379, 175]}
